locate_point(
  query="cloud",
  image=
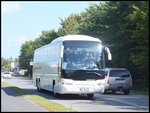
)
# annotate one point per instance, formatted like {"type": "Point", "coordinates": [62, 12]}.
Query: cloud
{"type": "Point", "coordinates": [10, 7]}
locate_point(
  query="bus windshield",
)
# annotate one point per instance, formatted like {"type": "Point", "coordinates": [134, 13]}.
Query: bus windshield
{"type": "Point", "coordinates": [82, 55]}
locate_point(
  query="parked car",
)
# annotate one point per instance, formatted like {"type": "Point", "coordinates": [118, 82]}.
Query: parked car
{"type": "Point", "coordinates": [117, 79]}
{"type": "Point", "coordinates": [6, 75]}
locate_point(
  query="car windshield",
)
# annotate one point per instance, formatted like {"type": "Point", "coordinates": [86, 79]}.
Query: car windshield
{"type": "Point", "coordinates": [82, 55]}
{"type": "Point", "coordinates": [119, 73]}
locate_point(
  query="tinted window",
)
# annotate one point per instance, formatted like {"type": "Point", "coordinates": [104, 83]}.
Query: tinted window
{"type": "Point", "coordinates": [119, 73]}
{"type": "Point", "coordinates": [83, 74]}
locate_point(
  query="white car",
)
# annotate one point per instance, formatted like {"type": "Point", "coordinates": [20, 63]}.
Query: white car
{"type": "Point", "coordinates": [1, 79]}
{"type": "Point", "coordinates": [6, 75]}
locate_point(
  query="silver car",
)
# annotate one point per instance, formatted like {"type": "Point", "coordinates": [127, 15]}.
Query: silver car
{"type": "Point", "coordinates": [117, 79]}
{"type": "Point", "coordinates": [6, 75]}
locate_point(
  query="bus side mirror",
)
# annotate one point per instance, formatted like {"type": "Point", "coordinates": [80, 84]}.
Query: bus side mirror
{"type": "Point", "coordinates": [109, 56]}
{"type": "Point", "coordinates": [108, 52]}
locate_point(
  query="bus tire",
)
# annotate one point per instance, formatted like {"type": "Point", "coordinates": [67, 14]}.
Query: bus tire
{"type": "Point", "coordinates": [38, 85]}
{"type": "Point", "coordinates": [126, 92]}
{"type": "Point", "coordinates": [57, 95]}
{"type": "Point", "coordinates": [54, 90]}
{"type": "Point", "coordinates": [104, 92]}
{"type": "Point", "coordinates": [90, 96]}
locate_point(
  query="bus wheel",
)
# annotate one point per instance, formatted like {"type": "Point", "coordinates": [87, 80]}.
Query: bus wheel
{"type": "Point", "coordinates": [90, 96]}
{"type": "Point", "coordinates": [55, 93]}
{"type": "Point", "coordinates": [126, 92]}
{"type": "Point", "coordinates": [104, 92]}
{"type": "Point", "coordinates": [38, 85]}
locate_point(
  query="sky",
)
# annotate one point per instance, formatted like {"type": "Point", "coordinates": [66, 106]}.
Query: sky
{"type": "Point", "coordinates": [24, 20]}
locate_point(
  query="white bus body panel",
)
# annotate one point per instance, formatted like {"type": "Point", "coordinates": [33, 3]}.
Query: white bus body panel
{"type": "Point", "coordinates": [80, 87]}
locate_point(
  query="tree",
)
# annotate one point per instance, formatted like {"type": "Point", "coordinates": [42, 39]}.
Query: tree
{"type": "Point", "coordinates": [140, 37]}
{"type": "Point", "coordinates": [124, 27]}
{"type": "Point", "coordinates": [26, 56]}
{"type": "Point", "coordinates": [70, 25]}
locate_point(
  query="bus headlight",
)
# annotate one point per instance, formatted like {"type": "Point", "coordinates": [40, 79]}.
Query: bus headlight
{"type": "Point", "coordinates": [67, 83]}
{"type": "Point", "coordinates": [100, 84]}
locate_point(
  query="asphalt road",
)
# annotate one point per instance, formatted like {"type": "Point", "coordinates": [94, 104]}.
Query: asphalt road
{"type": "Point", "coordinates": [101, 103]}
{"type": "Point", "coordinates": [10, 102]}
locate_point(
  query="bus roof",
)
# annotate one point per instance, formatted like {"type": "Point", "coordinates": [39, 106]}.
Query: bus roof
{"type": "Point", "coordinates": [75, 38]}
{"type": "Point", "coordinates": [71, 38]}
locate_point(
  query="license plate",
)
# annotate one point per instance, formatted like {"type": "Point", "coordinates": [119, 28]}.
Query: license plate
{"type": "Point", "coordinates": [120, 81]}
{"type": "Point", "coordinates": [84, 89]}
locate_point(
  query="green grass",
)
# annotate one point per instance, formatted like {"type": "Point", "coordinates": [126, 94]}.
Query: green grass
{"type": "Point", "coordinates": [48, 105]}
{"type": "Point", "coordinates": [140, 91]}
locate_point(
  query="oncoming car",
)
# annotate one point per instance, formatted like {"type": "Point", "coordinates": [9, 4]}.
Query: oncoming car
{"type": "Point", "coordinates": [117, 79]}
{"type": "Point", "coordinates": [6, 75]}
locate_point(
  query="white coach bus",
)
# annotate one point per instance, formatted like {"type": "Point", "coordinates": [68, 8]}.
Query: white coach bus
{"type": "Point", "coordinates": [71, 64]}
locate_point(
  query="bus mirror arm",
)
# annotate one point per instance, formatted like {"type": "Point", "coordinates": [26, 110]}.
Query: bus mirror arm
{"type": "Point", "coordinates": [98, 63]}
{"type": "Point", "coordinates": [108, 52]}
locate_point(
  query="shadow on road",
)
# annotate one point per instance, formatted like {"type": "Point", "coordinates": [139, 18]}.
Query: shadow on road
{"type": "Point", "coordinates": [15, 91]}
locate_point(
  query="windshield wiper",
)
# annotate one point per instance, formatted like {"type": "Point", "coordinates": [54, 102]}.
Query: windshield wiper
{"type": "Point", "coordinates": [95, 73]}
{"type": "Point", "coordinates": [93, 67]}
